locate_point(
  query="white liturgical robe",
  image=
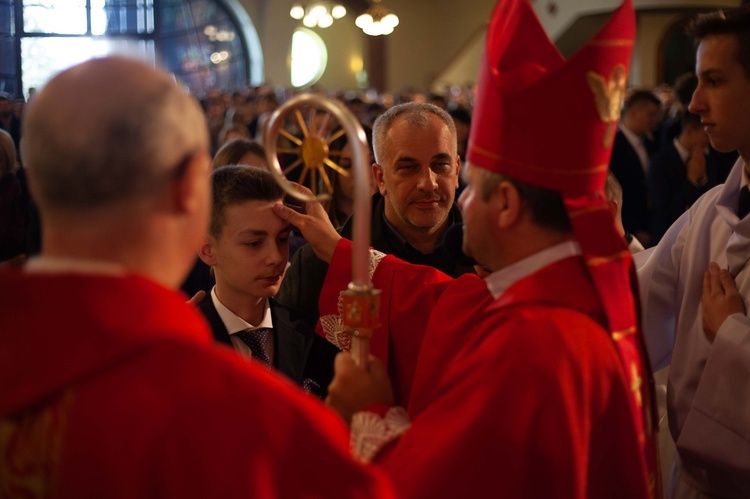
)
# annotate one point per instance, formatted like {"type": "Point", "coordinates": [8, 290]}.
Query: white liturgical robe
{"type": "Point", "coordinates": [709, 384]}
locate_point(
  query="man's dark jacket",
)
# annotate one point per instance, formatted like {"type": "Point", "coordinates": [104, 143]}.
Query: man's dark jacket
{"type": "Point", "coordinates": [304, 279]}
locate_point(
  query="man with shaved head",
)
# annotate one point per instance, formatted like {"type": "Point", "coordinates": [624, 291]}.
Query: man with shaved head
{"type": "Point", "coordinates": [110, 385]}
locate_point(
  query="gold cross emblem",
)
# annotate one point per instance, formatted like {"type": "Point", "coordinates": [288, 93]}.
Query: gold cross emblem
{"type": "Point", "coordinates": [608, 96]}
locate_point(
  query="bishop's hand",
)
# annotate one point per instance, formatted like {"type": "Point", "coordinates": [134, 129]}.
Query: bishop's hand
{"type": "Point", "coordinates": [314, 225]}
{"type": "Point", "coordinates": [355, 388]}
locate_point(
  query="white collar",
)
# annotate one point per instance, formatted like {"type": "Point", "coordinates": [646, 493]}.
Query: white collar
{"type": "Point", "coordinates": [235, 324]}
{"type": "Point", "coordinates": [502, 279]}
{"type": "Point", "coordinates": [634, 139]}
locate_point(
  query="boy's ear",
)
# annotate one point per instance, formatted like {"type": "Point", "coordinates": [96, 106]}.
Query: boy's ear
{"type": "Point", "coordinates": [206, 252]}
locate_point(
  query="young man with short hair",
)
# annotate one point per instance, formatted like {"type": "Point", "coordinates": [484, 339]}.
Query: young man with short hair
{"type": "Point", "coordinates": [110, 385]}
{"type": "Point", "coordinates": [247, 248]}
{"type": "Point", "coordinates": [692, 284]}
{"type": "Point", "coordinates": [679, 175]}
{"type": "Point", "coordinates": [631, 154]}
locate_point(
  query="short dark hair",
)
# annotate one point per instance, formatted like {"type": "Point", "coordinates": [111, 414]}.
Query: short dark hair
{"type": "Point", "coordinates": [731, 22]}
{"type": "Point", "coordinates": [233, 184]}
{"type": "Point", "coordinates": [684, 87]}
{"type": "Point", "coordinates": [546, 206]}
{"type": "Point", "coordinates": [231, 153]}
{"type": "Point", "coordinates": [639, 97]}
{"type": "Point", "coordinates": [460, 114]}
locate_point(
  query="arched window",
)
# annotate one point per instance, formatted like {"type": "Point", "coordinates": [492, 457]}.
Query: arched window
{"type": "Point", "coordinates": [309, 57]}
{"type": "Point", "coordinates": [676, 52]}
{"type": "Point", "coordinates": [204, 43]}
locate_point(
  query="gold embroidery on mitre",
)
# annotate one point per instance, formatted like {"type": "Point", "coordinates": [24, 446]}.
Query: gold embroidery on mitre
{"type": "Point", "coordinates": [558, 171]}
{"type": "Point", "coordinates": [651, 485]}
{"type": "Point", "coordinates": [608, 96]}
{"type": "Point", "coordinates": [587, 210]}
{"type": "Point", "coordinates": [30, 447]}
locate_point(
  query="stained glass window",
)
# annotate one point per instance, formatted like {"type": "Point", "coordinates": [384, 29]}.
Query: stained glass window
{"type": "Point", "coordinates": [202, 42]}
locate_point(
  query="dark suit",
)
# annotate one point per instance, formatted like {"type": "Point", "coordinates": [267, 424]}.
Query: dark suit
{"type": "Point", "coordinates": [626, 166]}
{"type": "Point", "coordinates": [299, 352]}
{"type": "Point", "coordinates": [671, 191]}
{"type": "Point", "coordinates": [304, 279]}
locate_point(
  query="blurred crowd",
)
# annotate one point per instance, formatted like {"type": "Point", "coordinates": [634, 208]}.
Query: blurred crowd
{"type": "Point", "coordinates": [654, 120]}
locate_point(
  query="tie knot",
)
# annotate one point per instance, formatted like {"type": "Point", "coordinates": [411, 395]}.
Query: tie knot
{"type": "Point", "coordinates": [744, 205]}
{"type": "Point", "coordinates": [256, 340]}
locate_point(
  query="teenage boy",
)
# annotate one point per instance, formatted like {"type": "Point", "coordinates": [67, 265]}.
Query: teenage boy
{"type": "Point", "coordinates": [247, 247]}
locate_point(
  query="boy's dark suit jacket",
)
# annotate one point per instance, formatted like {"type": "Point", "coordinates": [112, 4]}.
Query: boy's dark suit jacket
{"type": "Point", "coordinates": [299, 352]}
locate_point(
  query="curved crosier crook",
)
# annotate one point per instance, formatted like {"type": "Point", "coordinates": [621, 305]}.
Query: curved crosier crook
{"type": "Point", "coordinates": [361, 303]}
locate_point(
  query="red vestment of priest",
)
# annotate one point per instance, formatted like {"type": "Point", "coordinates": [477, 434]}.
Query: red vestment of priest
{"type": "Point", "coordinates": [112, 387]}
{"type": "Point", "coordinates": [519, 396]}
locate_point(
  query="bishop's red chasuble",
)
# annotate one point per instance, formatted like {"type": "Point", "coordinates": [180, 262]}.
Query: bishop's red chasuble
{"type": "Point", "coordinates": [519, 396]}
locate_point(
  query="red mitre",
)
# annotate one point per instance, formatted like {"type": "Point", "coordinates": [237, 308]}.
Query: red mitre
{"type": "Point", "coordinates": [551, 123]}
{"type": "Point", "coordinates": [544, 120]}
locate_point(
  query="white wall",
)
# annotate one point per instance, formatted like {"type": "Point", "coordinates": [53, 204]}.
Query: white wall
{"type": "Point", "coordinates": [430, 36]}
{"type": "Point", "coordinates": [438, 41]}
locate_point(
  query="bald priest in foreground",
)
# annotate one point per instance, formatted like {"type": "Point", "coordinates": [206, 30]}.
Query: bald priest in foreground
{"type": "Point", "coordinates": [110, 385]}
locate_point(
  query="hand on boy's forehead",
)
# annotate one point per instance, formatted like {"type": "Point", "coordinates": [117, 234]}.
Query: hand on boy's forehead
{"type": "Point", "coordinates": [262, 232]}
{"type": "Point", "coordinates": [254, 218]}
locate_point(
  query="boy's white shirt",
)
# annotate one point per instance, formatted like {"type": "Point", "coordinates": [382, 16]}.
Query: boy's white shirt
{"type": "Point", "coordinates": [235, 324]}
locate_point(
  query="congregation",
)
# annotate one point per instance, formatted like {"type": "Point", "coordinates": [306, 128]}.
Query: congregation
{"type": "Point", "coordinates": [661, 166]}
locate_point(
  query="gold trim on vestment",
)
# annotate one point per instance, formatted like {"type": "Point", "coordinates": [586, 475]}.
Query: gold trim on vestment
{"type": "Point", "coordinates": [618, 335]}
{"type": "Point", "coordinates": [497, 157]}
{"type": "Point", "coordinates": [584, 211]}
{"type": "Point", "coordinates": [601, 260]}
{"type": "Point", "coordinates": [30, 448]}
{"type": "Point", "coordinates": [612, 43]}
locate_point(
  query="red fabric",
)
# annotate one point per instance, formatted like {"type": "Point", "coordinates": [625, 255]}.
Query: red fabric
{"type": "Point", "coordinates": [529, 93]}
{"type": "Point", "coordinates": [523, 396]}
{"type": "Point", "coordinates": [120, 380]}
{"type": "Point", "coordinates": [525, 85]}
{"type": "Point", "coordinates": [399, 353]}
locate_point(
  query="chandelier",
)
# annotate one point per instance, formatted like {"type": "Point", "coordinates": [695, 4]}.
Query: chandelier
{"type": "Point", "coordinates": [377, 20]}
{"type": "Point", "coordinates": [320, 13]}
